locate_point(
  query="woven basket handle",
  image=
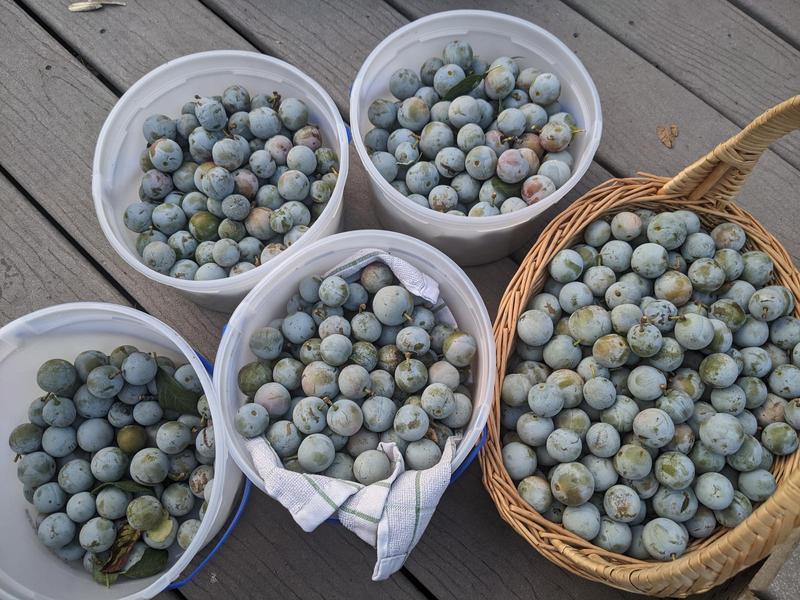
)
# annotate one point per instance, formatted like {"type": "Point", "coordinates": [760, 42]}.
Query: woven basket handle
{"type": "Point", "coordinates": [719, 175]}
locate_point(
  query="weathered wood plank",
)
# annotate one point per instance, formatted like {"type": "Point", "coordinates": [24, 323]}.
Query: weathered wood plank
{"type": "Point", "coordinates": [270, 557]}
{"type": "Point", "coordinates": [39, 267]}
{"type": "Point", "coordinates": [778, 577]}
{"type": "Point", "coordinates": [327, 39]}
{"type": "Point", "coordinates": [437, 547]}
{"type": "Point", "coordinates": [124, 43]}
{"type": "Point", "coordinates": [52, 109]}
{"type": "Point", "coordinates": [780, 16]}
{"type": "Point", "coordinates": [637, 98]}
{"type": "Point", "coordinates": [292, 538]}
{"type": "Point", "coordinates": [71, 140]}
{"type": "Point", "coordinates": [468, 551]}
{"type": "Point", "coordinates": [268, 546]}
{"type": "Point", "coordinates": [713, 49]}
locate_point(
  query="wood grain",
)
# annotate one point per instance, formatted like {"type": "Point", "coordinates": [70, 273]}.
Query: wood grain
{"type": "Point", "coordinates": [268, 546]}
{"type": "Point", "coordinates": [777, 577]}
{"type": "Point", "coordinates": [52, 109]}
{"type": "Point", "coordinates": [636, 98]}
{"type": "Point", "coordinates": [269, 556]}
{"type": "Point", "coordinates": [468, 551]}
{"type": "Point", "coordinates": [78, 103]}
{"type": "Point", "coordinates": [713, 49]}
{"type": "Point", "coordinates": [124, 43]}
{"type": "Point", "coordinates": [328, 39]}
{"type": "Point", "coordinates": [83, 85]}
{"type": "Point", "coordinates": [780, 16]}
{"type": "Point", "coordinates": [39, 267]}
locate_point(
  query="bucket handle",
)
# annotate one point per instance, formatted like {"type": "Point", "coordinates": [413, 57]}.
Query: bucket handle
{"type": "Point", "coordinates": [460, 470]}
{"type": "Point", "coordinates": [248, 488]}
{"type": "Point", "coordinates": [471, 456]}
{"type": "Point", "coordinates": [719, 175]}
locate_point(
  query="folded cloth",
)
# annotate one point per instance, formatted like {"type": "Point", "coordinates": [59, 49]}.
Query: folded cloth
{"type": "Point", "coordinates": [390, 515]}
{"type": "Point", "coordinates": [414, 280]}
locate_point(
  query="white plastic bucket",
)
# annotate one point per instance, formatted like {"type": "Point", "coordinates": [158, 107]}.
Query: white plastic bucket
{"type": "Point", "coordinates": [116, 172]}
{"type": "Point", "coordinates": [473, 240]}
{"type": "Point", "coordinates": [268, 300]}
{"type": "Point", "coordinates": [28, 570]}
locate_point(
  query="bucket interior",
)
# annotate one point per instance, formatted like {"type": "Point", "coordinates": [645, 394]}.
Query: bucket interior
{"type": "Point", "coordinates": [27, 568]}
{"type": "Point", "coordinates": [268, 301]}
{"type": "Point", "coordinates": [164, 91]}
{"type": "Point", "coordinates": [491, 35]}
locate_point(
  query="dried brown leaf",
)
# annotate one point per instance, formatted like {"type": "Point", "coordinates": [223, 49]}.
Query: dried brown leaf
{"type": "Point", "coordinates": [126, 538]}
{"type": "Point", "coordinates": [667, 134]}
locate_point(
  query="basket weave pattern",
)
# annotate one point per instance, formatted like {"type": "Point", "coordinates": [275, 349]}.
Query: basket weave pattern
{"type": "Point", "coordinates": [706, 187]}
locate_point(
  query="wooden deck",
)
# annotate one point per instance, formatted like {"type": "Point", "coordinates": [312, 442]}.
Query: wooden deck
{"type": "Point", "coordinates": [708, 67]}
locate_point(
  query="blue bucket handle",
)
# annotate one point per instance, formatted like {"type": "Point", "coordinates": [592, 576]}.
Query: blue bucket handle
{"type": "Point", "coordinates": [471, 456]}
{"type": "Point", "coordinates": [248, 488]}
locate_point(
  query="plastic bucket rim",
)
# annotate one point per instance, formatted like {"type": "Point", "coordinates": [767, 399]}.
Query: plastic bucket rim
{"type": "Point", "coordinates": [231, 336]}
{"type": "Point", "coordinates": [247, 279]}
{"type": "Point", "coordinates": [422, 214]}
{"type": "Point", "coordinates": [222, 462]}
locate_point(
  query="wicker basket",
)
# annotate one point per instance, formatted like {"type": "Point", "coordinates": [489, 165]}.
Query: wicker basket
{"type": "Point", "coordinates": [706, 187]}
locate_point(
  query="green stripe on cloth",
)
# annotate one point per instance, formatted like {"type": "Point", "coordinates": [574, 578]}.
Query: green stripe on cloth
{"type": "Point", "coordinates": [416, 504]}
{"type": "Point", "coordinates": [360, 515]}
{"type": "Point", "coordinates": [349, 511]}
{"type": "Point", "coordinates": [347, 265]}
{"type": "Point", "coordinates": [318, 489]}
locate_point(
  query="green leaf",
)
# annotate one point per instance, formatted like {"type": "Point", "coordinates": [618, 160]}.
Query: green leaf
{"type": "Point", "coordinates": [127, 537]}
{"type": "Point", "coordinates": [466, 85]}
{"type": "Point", "coordinates": [463, 87]}
{"type": "Point", "coordinates": [173, 396]}
{"type": "Point", "coordinates": [509, 189]}
{"type": "Point", "coordinates": [152, 562]}
{"type": "Point", "coordinates": [126, 486]}
{"type": "Point", "coordinates": [106, 579]}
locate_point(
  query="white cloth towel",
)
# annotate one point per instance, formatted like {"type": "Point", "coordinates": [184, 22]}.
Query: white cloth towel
{"type": "Point", "coordinates": [414, 280]}
{"type": "Point", "coordinates": [390, 515]}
